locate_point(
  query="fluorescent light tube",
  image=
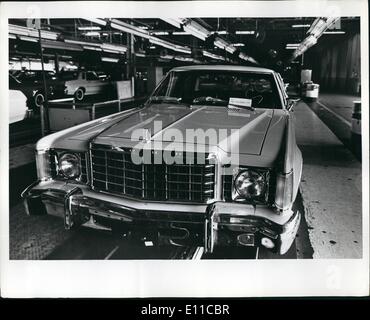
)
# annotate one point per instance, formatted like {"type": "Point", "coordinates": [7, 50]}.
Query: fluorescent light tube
{"type": "Point", "coordinates": [102, 22]}
{"type": "Point", "coordinates": [107, 59]}
{"type": "Point", "coordinates": [180, 33]}
{"type": "Point", "coordinates": [176, 22]}
{"type": "Point", "coordinates": [92, 48]}
{"type": "Point", "coordinates": [301, 25]}
{"type": "Point", "coordinates": [160, 33]}
{"type": "Point", "coordinates": [92, 34]}
{"type": "Point", "coordinates": [89, 28]}
{"type": "Point", "coordinates": [213, 56]}
{"type": "Point", "coordinates": [244, 32]}
{"type": "Point", "coordinates": [334, 32]}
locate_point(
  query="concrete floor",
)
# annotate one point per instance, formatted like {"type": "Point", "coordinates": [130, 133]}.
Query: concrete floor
{"type": "Point", "coordinates": [340, 104]}
{"type": "Point", "coordinates": [330, 190]}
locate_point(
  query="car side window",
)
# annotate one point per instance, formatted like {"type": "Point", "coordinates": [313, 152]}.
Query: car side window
{"type": "Point", "coordinates": [91, 76]}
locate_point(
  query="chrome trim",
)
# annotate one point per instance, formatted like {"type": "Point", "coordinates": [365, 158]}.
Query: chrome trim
{"type": "Point", "coordinates": [68, 214]}
{"type": "Point", "coordinates": [107, 148]}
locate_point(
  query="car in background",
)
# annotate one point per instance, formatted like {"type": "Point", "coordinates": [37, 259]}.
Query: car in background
{"type": "Point", "coordinates": [31, 83]}
{"type": "Point", "coordinates": [87, 83]}
{"type": "Point", "coordinates": [18, 109]}
{"type": "Point", "coordinates": [188, 190]}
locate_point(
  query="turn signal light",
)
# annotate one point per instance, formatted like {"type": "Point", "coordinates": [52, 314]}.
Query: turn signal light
{"type": "Point", "coordinates": [267, 243]}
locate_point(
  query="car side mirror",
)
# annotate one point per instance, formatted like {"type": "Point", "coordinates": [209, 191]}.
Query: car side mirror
{"type": "Point", "coordinates": [291, 103]}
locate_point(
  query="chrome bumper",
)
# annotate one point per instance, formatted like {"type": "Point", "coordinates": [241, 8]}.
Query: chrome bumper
{"type": "Point", "coordinates": [216, 224]}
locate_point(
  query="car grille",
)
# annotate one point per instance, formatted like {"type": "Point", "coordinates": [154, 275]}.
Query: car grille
{"type": "Point", "coordinates": [114, 172]}
{"type": "Point", "coordinates": [83, 157]}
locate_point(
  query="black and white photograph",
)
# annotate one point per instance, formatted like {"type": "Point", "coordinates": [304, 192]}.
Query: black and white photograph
{"type": "Point", "coordinates": [161, 143]}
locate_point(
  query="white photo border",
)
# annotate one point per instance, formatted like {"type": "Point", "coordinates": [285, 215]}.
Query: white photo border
{"type": "Point", "coordinates": [158, 278]}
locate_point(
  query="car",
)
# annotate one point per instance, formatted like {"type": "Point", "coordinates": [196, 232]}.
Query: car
{"type": "Point", "coordinates": [30, 82]}
{"type": "Point", "coordinates": [157, 171]}
{"type": "Point", "coordinates": [87, 83]}
{"type": "Point", "coordinates": [18, 109]}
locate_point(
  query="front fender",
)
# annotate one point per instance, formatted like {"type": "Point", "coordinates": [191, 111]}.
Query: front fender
{"type": "Point", "coordinates": [293, 161]}
{"type": "Point", "coordinates": [66, 139]}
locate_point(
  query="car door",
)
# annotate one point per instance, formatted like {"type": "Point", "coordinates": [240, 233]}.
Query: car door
{"type": "Point", "coordinates": [93, 82]}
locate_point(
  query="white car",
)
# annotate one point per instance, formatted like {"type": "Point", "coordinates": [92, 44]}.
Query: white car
{"type": "Point", "coordinates": [18, 109]}
{"type": "Point", "coordinates": [87, 83]}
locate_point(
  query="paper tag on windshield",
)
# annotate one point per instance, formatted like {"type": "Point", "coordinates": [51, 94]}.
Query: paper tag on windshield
{"type": "Point", "coordinates": [240, 102]}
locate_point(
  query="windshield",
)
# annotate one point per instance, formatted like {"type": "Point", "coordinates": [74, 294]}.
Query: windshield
{"type": "Point", "coordinates": [217, 87]}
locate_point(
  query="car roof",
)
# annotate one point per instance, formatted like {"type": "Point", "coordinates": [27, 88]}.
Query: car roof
{"type": "Point", "coordinates": [224, 68]}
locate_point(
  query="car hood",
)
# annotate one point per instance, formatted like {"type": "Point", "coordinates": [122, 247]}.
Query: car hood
{"type": "Point", "coordinates": [159, 123]}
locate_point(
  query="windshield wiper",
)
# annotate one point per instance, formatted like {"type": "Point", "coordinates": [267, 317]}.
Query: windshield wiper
{"type": "Point", "coordinates": [211, 100]}
{"type": "Point", "coordinates": [165, 99]}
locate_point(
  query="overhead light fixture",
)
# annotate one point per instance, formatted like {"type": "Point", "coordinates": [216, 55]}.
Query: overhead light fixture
{"type": "Point", "coordinates": [89, 28]}
{"type": "Point", "coordinates": [180, 33]}
{"type": "Point", "coordinates": [220, 43]}
{"type": "Point", "coordinates": [51, 44]}
{"type": "Point", "coordinates": [301, 25]}
{"type": "Point", "coordinates": [160, 33]}
{"type": "Point", "coordinates": [196, 29]}
{"type": "Point", "coordinates": [320, 25]}
{"type": "Point", "coordinates": [334, 32]}
{"type": "Point", "coordinates": [292, 44]}
{"type": "Point", "coordinates": [107, 59]}
{"type": "Point", "coordinates": [245, 57]}
{"type": "Point", "coordinates": [113, 47]}
{"type": "Point", "coordinates": [244, 32]}
{"type": "Point", "coordinates": [128, 28]}
{"type": "Point", "coordinates": [23, 31]}
{"type": "Point", "coordinates": [238, 44]}
{"type": "Point", "coordinates": [92, 48]}
{"type": "Point", "coordinates": [92, 34]}
{"type": "Point", "coordinates": [291, 48]}
{"type": "Point", "coordinates": [131, 31]}
{"type": "Point", "coordinates": [169, 45]}
{"type": "Point", "coordinates": [138, 54]}
{"type": "Point", "coordinates": [310, 41]}
{"type": "Point", "coordinates": [167, 57]}
{"type": "Point", "coordinates": [212, 55]}
{"type": "Point", "coordinates": [176, 22]}
{"type": "Point", "coordinates": [83, 43]}
{"type": "Point", "coordinates": [230, 49]}
{"type": "Point", "coordinates": [30, 39]}
{"type": "Point", "coordinates": [117, 24]}
{"type": "Point", "coordinates": [185, 59]}
{"type": "Point", "coordinates": [100, 21]}
{"type": "Point", "coordinates": [220, 32]}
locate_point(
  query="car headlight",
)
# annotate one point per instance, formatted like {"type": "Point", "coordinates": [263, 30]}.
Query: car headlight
{"type": "Point", "coordinates": [250, 184]}
{"type": "Point", "coordinates": [69, 165]}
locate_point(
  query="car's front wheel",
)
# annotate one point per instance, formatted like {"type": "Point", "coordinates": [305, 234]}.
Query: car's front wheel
{"type": "Point", "coordinates": [79, 94]}
{"type": "Point", "coordinates": [39, 99]}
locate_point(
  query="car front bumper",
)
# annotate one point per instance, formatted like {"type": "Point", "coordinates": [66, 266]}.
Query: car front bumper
{"type": "Point", "coordinates": [208, 225]}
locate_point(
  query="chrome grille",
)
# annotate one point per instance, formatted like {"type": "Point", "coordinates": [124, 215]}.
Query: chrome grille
{"type": "Point", "coordinates": [114, 172]}
{"type": "Point", "coordinates": [83, 158]}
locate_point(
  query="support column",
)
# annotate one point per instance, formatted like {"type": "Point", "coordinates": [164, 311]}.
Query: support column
{"type": "Point", "coordinates": [130, 66]}
{"type": "Point", "coordinates": [155, 75]}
